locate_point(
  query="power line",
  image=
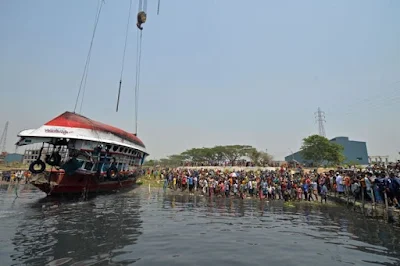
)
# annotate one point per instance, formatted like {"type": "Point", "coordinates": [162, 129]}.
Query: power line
{"type": "Point", "coordinates": [320, 119]}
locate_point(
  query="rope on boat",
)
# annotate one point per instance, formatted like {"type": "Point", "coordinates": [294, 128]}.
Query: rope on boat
{"type": "Point", "coordinates": [82, 85]}
{"type": "Point", "coordinates": [123, 55]}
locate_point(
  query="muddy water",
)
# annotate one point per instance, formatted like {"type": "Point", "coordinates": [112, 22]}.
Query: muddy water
{"type": "Point", "coordinates": [138, 228]}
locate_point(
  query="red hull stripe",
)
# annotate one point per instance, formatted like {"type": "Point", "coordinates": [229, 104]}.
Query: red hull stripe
{"type": "Point", "coordinates": [74, 120]}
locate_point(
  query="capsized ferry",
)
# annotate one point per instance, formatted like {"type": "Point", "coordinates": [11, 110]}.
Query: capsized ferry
{"type": "Point", "coordinates": [80, 155]}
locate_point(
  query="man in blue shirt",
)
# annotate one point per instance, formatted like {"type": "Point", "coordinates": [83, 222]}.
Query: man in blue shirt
{"type": "Point", "coordinates": [305, 190]}
{"type": "Point", "coordinates": [324, 191]}
{"type": "Point", "coordinates": [190, 182]}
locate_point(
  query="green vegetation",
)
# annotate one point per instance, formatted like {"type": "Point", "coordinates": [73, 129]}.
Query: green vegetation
{"type": "Point", "coordinates": [321, 151]}
{"type": "Point", "coordinates": [215, 155]}
{"type": "Point", "coordinates": [13, 166]}
{"type": "Point", "coordinates": [151, 180]}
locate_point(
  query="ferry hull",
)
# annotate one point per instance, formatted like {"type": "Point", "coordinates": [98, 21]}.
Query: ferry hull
{"type": "Point", "coordinates": [58, 183]}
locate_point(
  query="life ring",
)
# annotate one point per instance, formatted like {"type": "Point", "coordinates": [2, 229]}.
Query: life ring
{"type": "Point", "coordinates": [114, 169]}
{"type": "Point", "coordinates": [54, 159]}
{"type": "Point", "coordinates": [39, 163]}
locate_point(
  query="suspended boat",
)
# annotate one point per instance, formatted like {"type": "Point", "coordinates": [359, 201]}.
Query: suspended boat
{"type": "Point", "coordinates": [80, 155]}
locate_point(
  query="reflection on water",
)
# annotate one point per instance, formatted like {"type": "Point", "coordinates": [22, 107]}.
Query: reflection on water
{"type": "Point", "coordinates": [156, 229]}
{"type": "Point", "coordinates": [79, 233]}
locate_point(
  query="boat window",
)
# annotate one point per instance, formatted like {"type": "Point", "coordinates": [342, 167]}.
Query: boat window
{"type": "Point", "coordinates": [115, 148]}
{"type": "Point", "coordinates": [108, 147]}
{"type": "Point", "coordinates": [105, 166]}
{"type": "Point", "coordinates": [98, 166]}
{"type": "Point", "coordinates": [121, 148]}
{"type": "Point", "coordinates": [88, 166]}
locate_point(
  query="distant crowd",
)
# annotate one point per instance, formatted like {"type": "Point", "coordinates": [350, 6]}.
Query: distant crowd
{"type": "Point", "coordinates": [285, 184]}
{"type": "Point", "coordinates": [15, 176]}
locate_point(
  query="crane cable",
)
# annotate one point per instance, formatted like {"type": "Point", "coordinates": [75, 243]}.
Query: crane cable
{"type": "Point", "coordinates": [137, 85]}
{"type": "Point", "coordinates": [142, 7]}
{"type": "Point", "coordinates": [82, 84]}
{"type": "Point", "coordinates": [123, 55]}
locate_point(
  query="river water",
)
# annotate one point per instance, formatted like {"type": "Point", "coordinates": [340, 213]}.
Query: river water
{"type": "Point", "coordinates": [142, 228]}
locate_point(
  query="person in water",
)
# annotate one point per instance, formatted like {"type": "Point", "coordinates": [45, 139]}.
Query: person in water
{"type": "Point", "coordinates": [324, 192]}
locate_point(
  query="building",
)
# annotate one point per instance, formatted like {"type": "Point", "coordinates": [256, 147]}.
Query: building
{"type": "Point", "coordinates": [378, 159]}
{"type": "Point", "coordinates": [353, 151]}
{"type": "Point", "coordinates": [32, 155]}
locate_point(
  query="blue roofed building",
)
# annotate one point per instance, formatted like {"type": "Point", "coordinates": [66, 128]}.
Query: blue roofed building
{"type": "Point", "coordinates": [353, 151]}
{"type": "Point", "coordinates": [13, 157]}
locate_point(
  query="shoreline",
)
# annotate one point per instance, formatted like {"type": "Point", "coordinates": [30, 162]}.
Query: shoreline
{"type": "Point", "coordinates": [154, 185]}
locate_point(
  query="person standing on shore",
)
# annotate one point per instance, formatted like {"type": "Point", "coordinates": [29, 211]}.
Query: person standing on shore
{"type": "Point", "coordinates": [165, 183]}
{"type": "Point", "coordinates": [313, 191]}
{"type": "Point", "coordinates": [324, 192]}
{"type": "Point", "coordinates": [339, 184]}
{"type": "Point", "coordinates": [227, 188]}
{"type": "Point", "coordinates": [190, 182]}
{"type": "Point", "coordinates": [235, 188]}
{"type": "Point", "coordinates": [250, 186]}
{"type": "Point", "coordinates": [195, 182]}
{"type": "Point", "coordinates": [305, 188]}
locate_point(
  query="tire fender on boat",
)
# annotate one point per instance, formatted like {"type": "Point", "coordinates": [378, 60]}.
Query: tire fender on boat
{"type": "Point", "coordinates": [37, 163]}
{"type": "Point", "coordinates": [114, 169]}
{"type": "Point", "coordinates": [54, 159]}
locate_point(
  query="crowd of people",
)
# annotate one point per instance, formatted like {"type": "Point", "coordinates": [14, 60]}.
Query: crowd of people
{"type": "Point", "coordinates": [15, 176]}
{"type": "Point", "coordinates": [285, 184]}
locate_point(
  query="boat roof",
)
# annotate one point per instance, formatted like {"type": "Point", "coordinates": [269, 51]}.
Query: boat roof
{"type": "Point", "coordinates": [65, 124]}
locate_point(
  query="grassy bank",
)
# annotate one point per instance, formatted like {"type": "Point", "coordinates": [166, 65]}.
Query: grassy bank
{"type": "Point", "coordinates": [13, 167]}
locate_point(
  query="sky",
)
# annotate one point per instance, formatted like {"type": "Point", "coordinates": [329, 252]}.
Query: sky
{"type": "Point", "coordinates": [214, 72]}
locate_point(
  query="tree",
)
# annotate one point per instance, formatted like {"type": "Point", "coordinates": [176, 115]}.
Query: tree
{"type": "Point", "coordinates": [254, 156]}
{"type": "Point", "coordinates": [334, 154]}
{"type": "Point", "coordinates": [265, 158]}
{"type": "Point", "coordinates": [219, 154]}
{"type": "Point", "coordinates": [320, 150]}
{"type": "Point", "coordinates": [176, 160]}
{"type": "Point", "coordinates": [234, 152]}
{"type": "Point", "coordinates": [199, 154]}
{"type": "Point", "coordinates": [151, 163]}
